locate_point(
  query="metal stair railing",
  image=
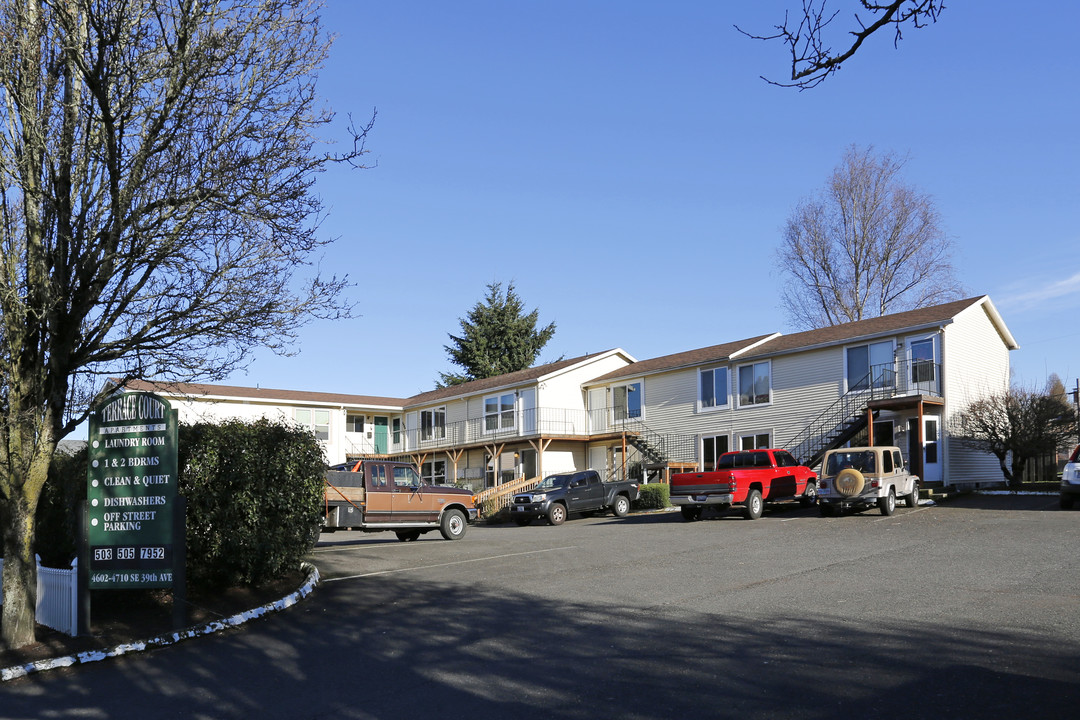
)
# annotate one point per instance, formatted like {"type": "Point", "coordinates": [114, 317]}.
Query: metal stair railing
{"type": "Point", "coordinates": [657, 447]}
{"type": "Point", "coordinates": [844, 418]}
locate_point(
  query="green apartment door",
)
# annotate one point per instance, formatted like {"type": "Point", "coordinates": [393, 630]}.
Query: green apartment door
{"type": "Point", "coordinates": [382, 439]}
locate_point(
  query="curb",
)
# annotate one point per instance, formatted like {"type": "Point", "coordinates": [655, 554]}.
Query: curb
{"type": "Point", "coordinates": [90, 656]}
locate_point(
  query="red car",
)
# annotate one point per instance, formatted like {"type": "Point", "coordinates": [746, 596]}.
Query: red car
{"type": "Point", "coordinates": [749, 478]}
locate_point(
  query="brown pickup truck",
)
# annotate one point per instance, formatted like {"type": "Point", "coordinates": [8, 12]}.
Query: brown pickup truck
{"type": "Point", "coordinates": [377, 495]}
{"type": "Point", "coordinates": [749, 478]}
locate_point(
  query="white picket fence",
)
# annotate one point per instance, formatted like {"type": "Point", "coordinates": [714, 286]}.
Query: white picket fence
{"type": "Point", "coordinates": [57, 596]}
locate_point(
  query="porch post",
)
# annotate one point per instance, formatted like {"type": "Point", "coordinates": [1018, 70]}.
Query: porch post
{"type": "Point", "coordinates": [921, 440]}
{"type": "Point", "coordinates": [870, 426]}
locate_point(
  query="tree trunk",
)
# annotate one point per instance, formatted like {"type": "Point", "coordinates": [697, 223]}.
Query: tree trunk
{"type": "Point", "coordinates": [20, 576]}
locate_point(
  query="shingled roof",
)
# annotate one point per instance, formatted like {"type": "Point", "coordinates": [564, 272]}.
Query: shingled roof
{"type": "Point", "coordinates": [201, 390]}
{"type": "Point", "coordinates": [515, 378]}
{"type": "Point", "coordinates": [777, 343]}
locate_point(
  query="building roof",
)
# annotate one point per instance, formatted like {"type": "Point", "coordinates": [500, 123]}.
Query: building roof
{"type": "Point", "coordinates": [777, 343]}
{"type": "Point", "coordinates": [907, 321]}
{"type": "Point", "coordinates": [688, 358]}
{"type": "Point", "coordinates": [527, 375]}
{"type": "Point", "coordinates": [206, 391]}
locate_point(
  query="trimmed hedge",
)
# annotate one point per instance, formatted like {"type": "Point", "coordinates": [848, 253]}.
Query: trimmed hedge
{"type": "Point", "coordinates": [654, 496]}
{"type": "Point", "coordinates": [254, 500]}
{"type": "Point", "coordinates": [56, 522]}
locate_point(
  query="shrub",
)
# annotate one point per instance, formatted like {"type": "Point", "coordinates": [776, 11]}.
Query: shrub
{"type": "Point", "coordinates": [654, 496]}
{"type": "Point", "coordinates": [254, 500]}
{"type": "Point", "coordinates": [56, 522]}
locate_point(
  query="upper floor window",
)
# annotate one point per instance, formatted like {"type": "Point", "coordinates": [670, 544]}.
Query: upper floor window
{"type": "Point", "coordinates": [433, 424]}
{"type": "Point", "coordinates": [499, 412]}
{"type": "Point", "coordinates": [922, 361]}
{"type": "Point", "coordinates": [627, 400]}
{"type": "Point", "coordinates": [318, 421]}
{"type": "Point", "coordinates": [354, 423]}
{"type": "Point", "coordinates": [714, 388]}
{"type": "Point", "coordinates": [755, 384]}
{"type": "Point", "coordinates": [868, 363]}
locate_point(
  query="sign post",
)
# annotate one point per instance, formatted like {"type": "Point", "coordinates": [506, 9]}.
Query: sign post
{"type": "Point", "coordinates": [131, 493]}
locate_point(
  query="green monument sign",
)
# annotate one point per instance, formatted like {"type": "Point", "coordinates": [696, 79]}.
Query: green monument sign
{"type": "Point", "coordinates": [131, 492]}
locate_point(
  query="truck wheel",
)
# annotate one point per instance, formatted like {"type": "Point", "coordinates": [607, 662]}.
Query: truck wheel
{"type": "Point", "coordinates": [621, 507]}
{"type": "Point", "coordinates": [809, 496]}
{"type": "Point", "coordinates": [690, 513]}
{"type": "Point", "coordinates": [557, 514]}
{"type": "Point", "coordinates": [754, 505]}
{"type": "Point", "coordinates": [407, 535]}
{"type": "Point", "coordinates": [887, 504]}
{"type": "Point", "coordinates": [453, 524]}
{"type": "Point", "coordinates": [912, 500]}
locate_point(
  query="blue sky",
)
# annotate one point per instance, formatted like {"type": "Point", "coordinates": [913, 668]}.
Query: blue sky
{"type": "Point", "coordinates": [623, 165]}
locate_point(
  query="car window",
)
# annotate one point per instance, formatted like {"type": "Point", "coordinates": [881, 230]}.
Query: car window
{"type": "Point", "coordinates": [405, 477]}
{"type": "Point", "coordinates": [886, 462]}
{"type": "Point", "coordinates": [785, 459]}
{"type": "Point", "coordinates": [898, 460]}
{"type": "Point", "coordinates": [1075, 457]}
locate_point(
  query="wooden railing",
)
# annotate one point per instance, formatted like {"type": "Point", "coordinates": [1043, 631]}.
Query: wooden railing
{"type": "Point", "coordinates": [495, 499]}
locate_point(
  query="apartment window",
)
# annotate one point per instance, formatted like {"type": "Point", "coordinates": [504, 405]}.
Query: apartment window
{"type": "Point", "coordinates": [711, 449]}
{"type": "Point", "coordinates": [755, 384]}
{"type": "Point", "coordinates": [871, 362]}
{"type": "Point", "coordinates": [714, 388]}
{"type": "Point", "coordinates": [627, 400]}
{"type": "Point", "coordinates": [433, 472]}
{"type": "Point", "coordinates": [754, 442]}
{"type": "Point", "coordinates": [922, 361]}
{"type": "Point", "coordinates": [499, 412]}
{"type": "Point", "coordinates": [397, 431]}
{"type": "Point", "coordinates": [354, 423]}
{"type": "Point", "coordinates": [433, 424]}
{"type": "Point", "coordinates": [318, 421]}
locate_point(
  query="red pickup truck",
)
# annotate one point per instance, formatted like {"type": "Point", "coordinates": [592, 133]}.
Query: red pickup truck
{"type": "Point", "coordinates": [749, 478]}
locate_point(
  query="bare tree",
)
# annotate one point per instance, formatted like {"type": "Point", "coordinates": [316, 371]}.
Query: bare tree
{"type": "Point", "coordinates": [1016, 426]}
{"type": "Point", "coordinates": [157, 159]}
{"type": "Point", "coordinates": [865, 246]}
{"type": "Point", "coordinates": [813, 58]}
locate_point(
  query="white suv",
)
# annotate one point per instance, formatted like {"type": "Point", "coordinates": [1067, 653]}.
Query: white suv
{"type": "Point", "coordinates": [858, 477]}
{"type": "Point", "coordinates": [1070, 480]}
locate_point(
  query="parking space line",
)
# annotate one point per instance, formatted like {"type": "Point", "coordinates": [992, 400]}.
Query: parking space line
{"type": "Point", "coordinates": [448, 564]}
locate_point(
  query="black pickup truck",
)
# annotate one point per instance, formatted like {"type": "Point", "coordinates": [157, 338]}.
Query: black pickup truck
{"type": "Point", "coordinates": [558, 495]}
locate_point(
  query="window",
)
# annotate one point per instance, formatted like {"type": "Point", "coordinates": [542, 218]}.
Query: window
{"type": "Point", "coordinates": [870, 362]}
{"type": "Point", "coordinates": [499, 412]}
{"type": "Point", "coordinates": [354, 423]}
{"type": "Point", "coordinates": [751, 442]}
{"type": "Point", "coordinates": [922, 361]}
{"type": "Point", "coordinates": [886, 462]}
{"type": "Point", "coordinates": [433, 472]}
{"type": "Point", "coordinates": [318, 421]}
{"type": "Point", "coordinates": [405, 477]}
{"type": "Point", "coordinates": [627, 401]}
{"type": "Point", "coordinates": [754, 384]}
{"type": "Point", "coordinates": [785, 459]}
{"type": "Point", "coordinates": [397, 431]}
{"type": "Point", "coordinates": [378, 476]}
{"type": "Point", "coordinates": [714, 388]}
{"type": "Point", "coordinates": [433, 424]}
{"type": "Point", "coordinates": [711, 449]}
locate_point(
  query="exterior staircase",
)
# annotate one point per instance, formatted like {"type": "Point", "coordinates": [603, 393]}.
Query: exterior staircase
{"type": "Point", "coordinates": [842, 420]}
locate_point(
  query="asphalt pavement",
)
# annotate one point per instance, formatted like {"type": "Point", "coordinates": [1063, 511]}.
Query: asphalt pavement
{"type": "Point", "coordinates": [967, 609]}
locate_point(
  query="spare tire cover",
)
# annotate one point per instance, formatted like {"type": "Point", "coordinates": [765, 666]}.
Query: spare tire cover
{"type": "Point", "coordinates": [849, 482]}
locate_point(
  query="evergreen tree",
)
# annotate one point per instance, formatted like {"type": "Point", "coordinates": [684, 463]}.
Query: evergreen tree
{"type": "Point", "coordinates": [497, 337]}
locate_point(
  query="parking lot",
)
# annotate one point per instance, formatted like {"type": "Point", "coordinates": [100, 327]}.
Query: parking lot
{"type": "Point", "coordinates": [970, 607]}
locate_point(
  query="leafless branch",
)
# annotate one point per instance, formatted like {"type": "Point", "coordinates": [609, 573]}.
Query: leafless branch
{"type": "Point", "coordinates": [813, 59]}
